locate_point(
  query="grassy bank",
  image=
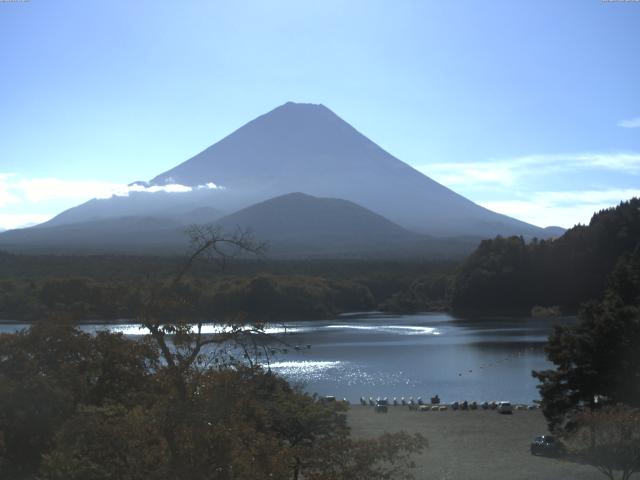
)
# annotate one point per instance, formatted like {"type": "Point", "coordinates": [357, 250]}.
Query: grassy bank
{"type": "Point", "coordinates": [472, 445]}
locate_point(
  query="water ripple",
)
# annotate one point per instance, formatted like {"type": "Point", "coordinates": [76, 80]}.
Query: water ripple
{"type": "Point", "coordinates": [396, 329]}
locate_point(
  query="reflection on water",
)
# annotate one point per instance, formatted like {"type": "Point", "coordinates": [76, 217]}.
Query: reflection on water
{"type": "Point", "coordinates": [400, 329]}
{"type": "Point", "coordinates": [207, 329]}
{"type": "Point", "coordinates": [308, 369]}
{"type": "Point", "coordinates": [408, 355]}
{"type": "Point", "coordinates": [419, 355]}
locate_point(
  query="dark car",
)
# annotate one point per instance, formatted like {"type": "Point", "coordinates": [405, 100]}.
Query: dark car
{"type": "Point", "coordinates": [546, 445]}
{"type": "Point", "coordinates": [382, 405]}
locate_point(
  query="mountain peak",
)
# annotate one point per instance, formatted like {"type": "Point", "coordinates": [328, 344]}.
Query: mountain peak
{"type": "Point", "coordinates": [306, 147]}
{"type": "Point", "coordinates": [300, 105]}
{"type": "Point", "coordinates": [295, 138]}
{"type": "Point", "coordinates": [304, 112]}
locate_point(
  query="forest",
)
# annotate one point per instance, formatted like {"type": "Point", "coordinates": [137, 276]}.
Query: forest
{"type": "Point", "coordinates": [591, 396]}
{"type": "Point", "coordinates": [513, 275]}
{"type": "Point", "coordinates": [504, 275]}
{"type": "Point", "coordinates": [106, 288]}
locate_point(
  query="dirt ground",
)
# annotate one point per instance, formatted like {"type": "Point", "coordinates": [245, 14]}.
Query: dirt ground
{"type": "Point", "coordinates": [470, 445]}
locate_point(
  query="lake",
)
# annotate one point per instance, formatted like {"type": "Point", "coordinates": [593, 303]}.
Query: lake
{"type": "Point", "coordinates": [409, 355]}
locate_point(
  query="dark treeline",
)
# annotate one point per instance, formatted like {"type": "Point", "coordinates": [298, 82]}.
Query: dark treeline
{"type": "Point", "coordinates": [591, 398]}
{"type": "Point", "coordinates": [126, 267]}
{"type": "Point", "coordinates": [512, 275]}
{"type": "Point", "coordinates": [110, 287]}
{"type": "Point", "coordinates": [509, 275]}
{"type": "Point", "coordinates": [599, 356]}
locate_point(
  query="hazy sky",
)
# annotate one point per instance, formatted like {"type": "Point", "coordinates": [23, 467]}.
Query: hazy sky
{"type": "Point", "coordinates": [531, 108]}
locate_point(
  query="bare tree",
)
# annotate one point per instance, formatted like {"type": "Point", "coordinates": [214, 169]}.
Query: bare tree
{"type": "Point", "coordinates": [170, 313]}
{"type": "Point", "coordinates": [175, 323]}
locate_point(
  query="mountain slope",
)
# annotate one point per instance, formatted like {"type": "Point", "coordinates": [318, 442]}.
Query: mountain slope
{"type": "Point", "coordinates": [307, 148]}
{"type": "Point", "coordinates": [138, 235]}
{"type": "Point", "coordinates": [297, 224]}
{"type": "Point", "coordinates": [300, 214]}
{"type": "Point", "coordinates": [301, 223]}
{"type": "Point", "coordinates": [161, 205]}
{"type": "Point", "coordinates": [164, 232]}
{"type": "Point", "coordinates": [293, 225]}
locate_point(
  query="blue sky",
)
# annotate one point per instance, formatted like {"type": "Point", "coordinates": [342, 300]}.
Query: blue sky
{"type": "Point", "coordinates": [531, 108]}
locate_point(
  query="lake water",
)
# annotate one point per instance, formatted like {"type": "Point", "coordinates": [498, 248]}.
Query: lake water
{"type": "Point", "coordinates": [409, 355]}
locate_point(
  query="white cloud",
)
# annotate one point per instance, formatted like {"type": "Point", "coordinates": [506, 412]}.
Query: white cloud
{"type": "Point", "coordinates": [620, 162]}
{"type": "Point", "coordinates": [30, 198]}
{"type": "Point", "coordinates": [14, 189]}
{"type": "Point", "coordinates": [591, 197]}
{"type": "Point", "coordinates": [564, 209]}
{"type": "Point", "coordinates": [508, 172]}
{"type": "Point", "coordinates": [452, 174]}
{"type": "Point", "coordinates": [170, 188]}
{"type": "Point", "coordinates": [38, 190]}
{"type": "Point", "coordinates": [6, 198]}
{"type": "Point", "coordinates": [631, 123]}
{"type": "Point", "coordinates": [10, 221]}
{"type": "Point", "coordinates": [516, 186]}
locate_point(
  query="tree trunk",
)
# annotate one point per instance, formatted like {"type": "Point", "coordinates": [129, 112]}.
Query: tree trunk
{"type": "Point", "coordinates": [296, 469]}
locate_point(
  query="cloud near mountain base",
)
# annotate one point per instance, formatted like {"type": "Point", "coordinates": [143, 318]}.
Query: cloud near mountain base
{"type": "Point", "coordinates": [545, 189]}
{"type": "Point", "coordinates": [36, 200]}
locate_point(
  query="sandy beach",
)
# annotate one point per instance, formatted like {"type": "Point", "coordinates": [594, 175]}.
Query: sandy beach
{"type": "Point", "coordinates": [472, 445]}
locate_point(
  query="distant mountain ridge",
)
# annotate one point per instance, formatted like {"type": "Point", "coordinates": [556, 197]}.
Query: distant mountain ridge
{"type": "Point", "coordinates": [293, 225]}
{"type": "Point", "coordinates": [141, 204]}
{"type": "Point", "coordinates": [298, 222]}
{"type": "Point", "coordinates": [296, 213]}
{"type": "Point", "coordinates": [137, 235]}
{"type": "Point", "coordinates": [554, 231]}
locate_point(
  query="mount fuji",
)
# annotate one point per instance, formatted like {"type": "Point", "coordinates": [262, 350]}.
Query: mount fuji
{"type": "Point", "coordinates": [295, 148]}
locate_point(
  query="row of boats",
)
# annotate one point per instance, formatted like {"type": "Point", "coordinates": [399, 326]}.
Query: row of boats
{"type": "Point", "coordinates": [435, 404]}
{"type": "Point", "coordinates": [385, 401]}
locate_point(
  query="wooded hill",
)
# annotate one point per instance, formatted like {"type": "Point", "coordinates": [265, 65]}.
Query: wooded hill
{"type": "Point", "coordinates": [512, 275]}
